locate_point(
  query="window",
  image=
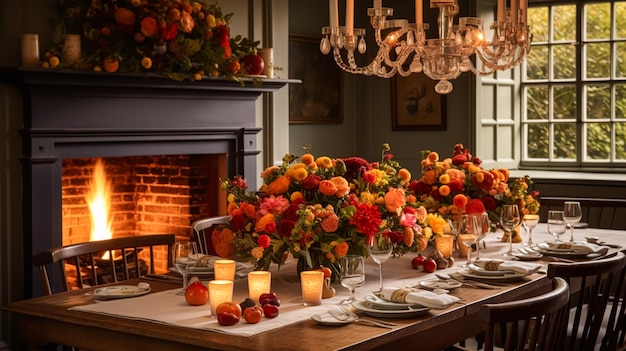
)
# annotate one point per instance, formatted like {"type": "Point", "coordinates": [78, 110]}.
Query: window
{"type": "Point", "coordinates": [574, 85]}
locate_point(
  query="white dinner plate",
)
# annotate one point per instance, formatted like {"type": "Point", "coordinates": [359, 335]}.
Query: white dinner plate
{"type": "Point", "coordinates": [119, 292]}
{"type": "Point", "coordinates": [566, 253]}
{"type": "Point", "coordinates": [380, 304]}
{"type": "Point", "coordinates": [481, 271]}
{"type": "Point", "coordinates": [500, 278]}
{"type": "Point", "coordinates": [440, 284]}
{"type": "Point", "coordinates": [327, 319]}
{"type": "Point", "coordinates": [530, 256]}
{"type": "Point", "coordinates": [367, 307]}
{"type": "Point", "coordinates": [552, 247]}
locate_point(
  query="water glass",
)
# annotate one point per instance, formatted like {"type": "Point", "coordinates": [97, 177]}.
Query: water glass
{"type": "Point", "coordinates": [556, 224]}
{"type": "Point", "coordinates": [529, 222]}
{"type": "Point", "coordinates": [185, 257]}
{"type": "Point", "coordinates": [352, 274]}
{"type": "Point", "coordinates": [380, 247]}
{"type": "Point", "coordinates": [572, 214]}
{"type": "Point", "coordinates": [509, 220]}
{"type": "Point", "coordinates": [468, 234]}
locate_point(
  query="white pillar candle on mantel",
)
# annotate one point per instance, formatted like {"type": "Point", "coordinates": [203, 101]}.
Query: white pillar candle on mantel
{"type": "Point", "coordinates": [349, 17]}
{"type": "Point", "coordinates": [219, 291]}
{"type": "Point", "coordinates": [501, 10]}
{"type": "Point", "coordinates": [259, 282]}
{"type": "Point", "coordinates": [224, 269]}
{"type": "Point", "coordinates": [312, 283]}
{"type": "Point", "coordinates": [333, 12]}
{"type": "Point", "coordinates": [419, 17]}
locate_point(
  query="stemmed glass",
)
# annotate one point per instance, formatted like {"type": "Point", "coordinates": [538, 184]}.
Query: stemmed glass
{"type": "Point", "coordinates": [529, 222]}
{"type": "Point", "coordinates": [483, 228]}
{"type": "Point", "coordinates": [572, 214]}
{"type": "Point", "coordinates": [379, 248]}
{"type": "Point", "coordinates": [185, 256]}
{"type": "Point", "coordinates": [468, 234]}
{"type": "Point", "coordinates": [352, 274]}
{"type": "Point", "coordinates": [556, 224]}
{"type": "Point", "coordinates": [509, 219]}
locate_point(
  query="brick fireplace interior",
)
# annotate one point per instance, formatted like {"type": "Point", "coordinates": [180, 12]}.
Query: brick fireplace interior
{"type": "Point", "coordinates": [164, 144]}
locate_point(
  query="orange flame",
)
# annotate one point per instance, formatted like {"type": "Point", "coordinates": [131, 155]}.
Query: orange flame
{"type": "Point", "coordinates": [99, 201]}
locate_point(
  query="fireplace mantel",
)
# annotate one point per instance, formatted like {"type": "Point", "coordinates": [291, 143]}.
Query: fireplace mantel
{"type": "Point", "coordinates": [72, 114]}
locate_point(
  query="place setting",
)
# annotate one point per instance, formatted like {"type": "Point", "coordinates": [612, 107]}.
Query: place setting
{"type": "Point", "coordinates": [498, 270]}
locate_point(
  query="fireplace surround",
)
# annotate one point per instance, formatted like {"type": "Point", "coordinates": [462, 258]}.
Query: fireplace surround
{"type": "Point", "coordinates": [74, 115]}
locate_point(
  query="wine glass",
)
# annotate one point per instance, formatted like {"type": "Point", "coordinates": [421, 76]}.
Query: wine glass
{"type": "Point", "coordinates": [556, 224]}
{"type": "Point", "coordinates": [509, 219]}
{"type": "Point", "coordinates": [352, 274]}
{"type": "Point", "coordinates": [468, 234]}
{"type": "Point", "coordinates": [483, 228]}
{"type": "Point", "coordinates": [572, 214]}
{"type": "Point", "coordinates": [379, 247]}
{"type": "Point", "coordinates": [529, 222]}
{"type": "Point", "coordinates": [185, 256]}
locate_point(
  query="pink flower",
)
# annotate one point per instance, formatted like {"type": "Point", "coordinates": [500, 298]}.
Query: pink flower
{"type": "Point", "coordinates": [274, 204]}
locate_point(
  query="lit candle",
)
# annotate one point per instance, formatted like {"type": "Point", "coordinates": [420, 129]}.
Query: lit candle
{"type": "Point", "coordinates": [501, 10]}
{"type": "Point", "coordinates": [219, 291]}
{"type": "Point", "coordinates": [224, 269]}
{"type": "Point", "coordinates": [312, 283]}
{"type": "Point", "coordinates": [349, 17]}
{"type": "Point", "coordinates": [333, 9]}
{"type": "Point", "coordinates": [418, 12]}
{"type": "Point", "coordinates": [259, 282]}
{"type": "Point", "coordinates": [514, 11]}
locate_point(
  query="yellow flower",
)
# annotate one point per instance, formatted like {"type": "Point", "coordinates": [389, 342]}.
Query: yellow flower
{"type": "Point", "coordinates": [324, 162]}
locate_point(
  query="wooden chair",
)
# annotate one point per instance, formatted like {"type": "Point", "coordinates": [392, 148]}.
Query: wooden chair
{"type": "Point", "coordinates": [614, 325]}
{"type": "Point", "coordinates": [86, 259]}
{"type": "Point", "coordinates": [591, 283]}
{"type": "Point", "coordinates": [535, 323]}
{"type": "Point", "coordinates": [597, 213]}
{"type": "Point", "coordinates": [202, 232]}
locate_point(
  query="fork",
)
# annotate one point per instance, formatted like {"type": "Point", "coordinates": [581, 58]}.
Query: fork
{"type": "Point", "coordinates": [369, 321]}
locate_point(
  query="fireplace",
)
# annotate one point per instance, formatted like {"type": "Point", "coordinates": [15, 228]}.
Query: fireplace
{"type": "Point", "coordinates": [129, 121]}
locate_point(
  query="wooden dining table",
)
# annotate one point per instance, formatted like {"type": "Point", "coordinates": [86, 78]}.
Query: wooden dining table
{"type": "Point", "coordinates": [51, 319]}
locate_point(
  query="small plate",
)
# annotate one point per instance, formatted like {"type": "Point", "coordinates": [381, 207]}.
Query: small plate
{"type": "Point", "coordinates": [528, 256]}
{"type": "Point", "coordinates": [481, 271]}
{"type": "Point", "coordinates": [380, 304]}
{"type": "Point", "coordinates": [327, 319]}
{"type": "Point", "coordinates": [370, 310]}
{"type": "Point", "coordinates": [119, 292]}
{"type": "Point", "coordinates": [440, 284]}
{"type": "Point", "coordinates": [500, 278]}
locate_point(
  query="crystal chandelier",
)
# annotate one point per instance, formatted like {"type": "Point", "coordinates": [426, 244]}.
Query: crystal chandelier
{"type": "Point", "coordinates": [404, 49]}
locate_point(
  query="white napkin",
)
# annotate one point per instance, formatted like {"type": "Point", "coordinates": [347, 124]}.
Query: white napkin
{"type": "Point", "coordinates": [419, 297]}
{"type": "Point", "coordinates": [579, 247]}
{"type": "Point", "coordinates": [504, 265]}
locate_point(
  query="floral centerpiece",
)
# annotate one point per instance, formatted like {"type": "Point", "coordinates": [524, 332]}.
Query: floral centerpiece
{"type": "Point", "coordinates": [320, 209]}
{"type": "Point", "coordinates": [459, 185]}
{"type": "Point", "coordinates": [172, 38]}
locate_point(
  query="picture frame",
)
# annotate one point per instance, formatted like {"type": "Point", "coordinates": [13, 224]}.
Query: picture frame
{"type": "Point", "coordinates": [319, 98]}
{"type": "Point", "coordinates": [415, 105]}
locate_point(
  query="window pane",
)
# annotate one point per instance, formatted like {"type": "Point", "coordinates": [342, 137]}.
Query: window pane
{"type": "Point", "coordinates": [538, 21]}
{"type": "Point", "coordinates": [620, 19]}
{"type": "Point", "coordinates": [565, 141]}
{"type": "Point", "coordinates": [564, 61]}
{"type": "Point", "coordinates": [598, 141]}
{"type": "Point", "coordinates": [598, 21]}
{"type": "Point", "coordinates": [564, 102]}
{"type": "Point", "coordinates": [598, 60]}
{"type": "Point", "coordinates": [598, 101]}
{"type": "Point", "coordinates": [537, 102]}
{"type": "Point", "coordinates": [620, 58]}
{"type": "Point", "coordinates": [538, 137]}
{"type": "Point", "coordinates": [620, 101]}
{"type": "Point", "coordinates": [620, 141]}
{"type": "Point", "coordinates": [564, 22]}
{"type": "Point", "coordinates": [537, 63]}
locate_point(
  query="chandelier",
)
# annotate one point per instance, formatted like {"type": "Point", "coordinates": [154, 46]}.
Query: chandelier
{"type": "Point", "coordinates": [404, 49]}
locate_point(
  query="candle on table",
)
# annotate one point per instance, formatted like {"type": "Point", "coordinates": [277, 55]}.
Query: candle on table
{"type": "Point", "coordinates": [259, 282]}
{"type": "Point", "coordinates": [312, 283]}
{"type": "Point", "coordinates": [219, 291]}
{"type": "Point", "coordinates": [349, 17]}
{"type": "Point", "coordinates": [224, 269]}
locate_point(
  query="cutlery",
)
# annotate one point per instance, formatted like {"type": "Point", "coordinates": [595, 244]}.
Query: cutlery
{"type": "Point", "coordinates": [163, 278]}
{"type": "Point", "coordinates": [345, 314]}
{"type": "Point", "coordinates": [468, 282]}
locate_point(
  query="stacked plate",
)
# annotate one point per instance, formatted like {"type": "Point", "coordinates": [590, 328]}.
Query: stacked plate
{"type": "Point", "coordinates": [575, 250]}
{"type": "Point", "coordinates": [475, 272]}
{"type": "Point", "coordinates": [377, 307]}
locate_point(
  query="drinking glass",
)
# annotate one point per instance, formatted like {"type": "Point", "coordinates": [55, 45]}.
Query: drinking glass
{"type": "Point", "coordinates": [529, 222]}
{"type": "Point", "coordinates": [185, 257]}
{"type": "Point", "coordinates": [509, 219]}
{"type": "Point", "coordinates": [468, 234]}
{"type": "Point", "coordinates": [572, 214]}
{"type": "Point", "coordinates": [379, 248]}
{"type": "Point", "coordinates": [352, 274]}
{"type": "Point", "coordinates": [483, 227]}
{"type": "Point", "coordinates": [556, 224]}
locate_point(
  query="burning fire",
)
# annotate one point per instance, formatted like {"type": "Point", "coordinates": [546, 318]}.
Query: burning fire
{"type": "Point", "coordinates": [99, 203]}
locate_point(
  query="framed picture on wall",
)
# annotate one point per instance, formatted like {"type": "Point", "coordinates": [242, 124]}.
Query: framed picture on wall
{"type": "Point", "coordinates": [319, 98]}
{"type": "Point", "coordinates": [415, 105]}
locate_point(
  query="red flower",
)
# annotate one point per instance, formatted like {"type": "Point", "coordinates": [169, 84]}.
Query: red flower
{"type": "Point", "coordinates": [285, 227]}
{"type": "Point", "coordinates": [292, 212]}
{"type": "Point", "coordinates": [396, 236]}
{"type": "Point", "coordinates": [264, 241]}
{"type": "Point", "coordinates": [474, 206]}
{"type": "Point", "coordinates": [489, 202]}
{"type": "Point", "coordinates": [238, 222]}
{"type": "Point", "coordinates": [311, 182]}
{"type": "Point", "coordinates": [169, 31]}
{"type": "Point", "coordinates": [367, 219]}
{"type": "Point", "coordinates": [456, 186]}
{"type": "Point", "coordinates": [419, 187]}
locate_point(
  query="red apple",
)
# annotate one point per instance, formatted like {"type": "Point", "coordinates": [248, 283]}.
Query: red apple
{"type": "Point", "coordinates": [417, 262]}
{"type": "Point", "coordinates": [429, 265]}
{"type": "Point", "coordinates": [253, 64]}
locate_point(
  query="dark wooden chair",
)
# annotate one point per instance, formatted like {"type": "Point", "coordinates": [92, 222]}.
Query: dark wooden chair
{"type": "Point", "coordinates": [597, 213]}
{"type": "Point", "coordinates": [535, 323]}
{"type": "Point", "coordinates": [614, 325]}
{"type": "Point", "coordinates": [89, 266]}
{"type": "Point", "coordinates": [202, 232]}
{"type": "Point", "coordinates": [591, 284]}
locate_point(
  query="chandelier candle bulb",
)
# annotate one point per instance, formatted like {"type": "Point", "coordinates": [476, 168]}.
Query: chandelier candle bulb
{"type": "Point", "coordinates": [225, 269]}
{"type": "Point", "coordinates": [333, 8]}
{"type": "Point", "coordinates": [259, 282]}
{"type": "Point", "coordinates": [219, 291]}
{"type": "Point", "coordinates": [418, 12]}
{"type": "Point", "coordinates": [378, 4]}
{"type": "Point", "coordinates": [523, 7]}
{"type": "Point", "coordinates": [501, 10]}
{"type": "Point", "coordinates": [514, 11]}
{"type": "Point", "coordinates": [349, 17]}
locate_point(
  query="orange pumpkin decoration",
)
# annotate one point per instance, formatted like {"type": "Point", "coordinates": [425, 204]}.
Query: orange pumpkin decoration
{"type": "Point", "coordinates": [110, 64]}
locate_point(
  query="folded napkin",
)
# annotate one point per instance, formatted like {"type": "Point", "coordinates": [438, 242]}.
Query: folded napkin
{"type": "Point", "coordinates": [579, 247]}
{"type": "Point", "coordinates": [504, 265]}
{"type": "Point", "coordinates": [419, 297]}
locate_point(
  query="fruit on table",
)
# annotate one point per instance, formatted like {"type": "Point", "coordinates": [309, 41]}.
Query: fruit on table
{"type": "Point", "coordinates": [327, 271]}
{"type": "Point", "coordinates": [269, 298]}
{"type": "Point", "coordinates": [230, 307]}
{"type": "Point", "coordinates": [248, 302]}
{"type": "Point", "coordinates": [253, 314]}
{"type": "Point", "coordinates": [417, 262]}
{"type": "Point", "coordinates": [253, 64]}
{"type": "Point", "coordinates": [270, 311]}
{"type": "Point", "coordinates": [227, 318]}
{"type": "Point", "coordinates": [197, 294]}
{"type": "Point", "coordinates": [429, 265]}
